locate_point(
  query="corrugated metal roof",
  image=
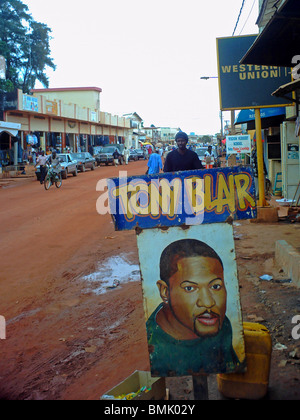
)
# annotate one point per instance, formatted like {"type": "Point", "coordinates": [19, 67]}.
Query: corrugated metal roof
{"type": "Point", "coordinates": [288, 88]}
{"type": "Point", "coordinates": [267, 11]}
{"type": "Point", "coordinates": [279, 42]}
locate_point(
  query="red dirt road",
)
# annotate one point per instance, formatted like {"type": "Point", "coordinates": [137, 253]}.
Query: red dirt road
{"type": "Point", "coordinates": [64, 341]}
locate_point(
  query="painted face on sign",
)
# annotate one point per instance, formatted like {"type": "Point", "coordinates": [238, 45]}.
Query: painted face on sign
{"type": "Point", "coordinates": [195, 299]}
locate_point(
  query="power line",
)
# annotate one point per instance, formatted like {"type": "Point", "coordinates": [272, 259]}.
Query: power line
{"type": "Point", "coordinates": [248, 17]}
{"type": "Point", "coordinates": [238, 19]}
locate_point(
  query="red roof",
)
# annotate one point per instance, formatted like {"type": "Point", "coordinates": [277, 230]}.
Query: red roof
{"type": "Point", "coordinates": [67, 89]}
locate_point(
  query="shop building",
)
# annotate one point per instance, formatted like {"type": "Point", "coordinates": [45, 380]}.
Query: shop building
{"type": "Point", "coordinates": [67, 118]}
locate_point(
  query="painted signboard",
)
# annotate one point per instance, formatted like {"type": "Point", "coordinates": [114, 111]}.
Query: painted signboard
{"type": "Point", "coordinates": [191, 300]}
{"type": "Point", "coordinates": [244, 86]}
{"type": "Point", "coordinates": [51, 107]}
{"type": "Point", "coordinates": [238, 144]}
{"type": "Point", "coordinates": [30, 103]}
{"type": "Point", "coordinates": [93, 116]}
{"type": "Point", "coordinates": [182, 198]}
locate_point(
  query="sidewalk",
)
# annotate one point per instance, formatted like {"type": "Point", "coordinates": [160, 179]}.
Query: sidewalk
{"type": "Point", "coordinates": [10, 178]}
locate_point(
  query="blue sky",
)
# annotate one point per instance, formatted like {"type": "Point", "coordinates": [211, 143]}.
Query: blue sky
{"type": "Point", "coordinates": [146, 56]}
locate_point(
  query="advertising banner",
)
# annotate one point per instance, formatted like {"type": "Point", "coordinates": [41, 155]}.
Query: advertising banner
{"type": "Point", "coordinates": [30, 103]}
{"type": "Point", "coordinates": [184, 198]}
{"type": "Point", "coordinates": [244, 86]}
{"type": "Point", "coordinates": [51, 107]}
{"type": "Point", "coordinates": [191, 300]}
{"type": "Point", "coordinates": [183, 223]}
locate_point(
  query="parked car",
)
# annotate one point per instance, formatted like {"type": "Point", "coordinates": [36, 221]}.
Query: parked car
{"type": "Point", "coordinates": [97, 150]}
{"type": "Point", "coordinates": [84, 161]}
{"type": "Point", "coordinates": [69, 165]}
{"type": "Point", "coordinates": [133, 155]}
{"type": "Point", "coordinates": [97, 155]}
{"type": "Point", "coordinates": [141, 153]}
{"type": "Point", "coordinates": [201, 154]}
{"type": "Point", "coordinates": [106, 155]}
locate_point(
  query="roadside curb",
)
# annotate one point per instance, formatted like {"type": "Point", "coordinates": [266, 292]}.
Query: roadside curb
{"type": "Point", "coordinates": [288, 258]}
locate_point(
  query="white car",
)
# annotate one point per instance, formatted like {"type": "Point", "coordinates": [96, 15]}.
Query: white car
{"type": "Point", "coordinates": [201, 154]}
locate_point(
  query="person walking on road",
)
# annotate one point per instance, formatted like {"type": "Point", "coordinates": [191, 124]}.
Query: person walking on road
{"type": "Point", "coordinates": [33, 154]}
{"type": "Point", "coordinates": [116, 157]}
{"type": "Point", "coordinates": [154, 164]}
{"type": "Point", "coordinates": [209, 158]}
{"type": "Point", "coordinates": [126, 155]}
{"type": "Point", "coordinates": [182, 159]}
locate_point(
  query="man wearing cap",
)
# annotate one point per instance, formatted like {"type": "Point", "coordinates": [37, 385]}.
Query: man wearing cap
{"type": "Point", "coordinates": [182, 159]}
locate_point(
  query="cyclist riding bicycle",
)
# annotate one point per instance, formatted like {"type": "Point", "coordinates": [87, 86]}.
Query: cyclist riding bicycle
{"type": "Point", "coordinates": [55, 163]}
{"type": "Point", "coordinates": [53, 175]}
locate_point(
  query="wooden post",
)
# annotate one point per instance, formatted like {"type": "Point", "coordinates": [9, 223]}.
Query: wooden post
{"type": "Point", "coordinates": [200, 387]}
{"type": "Point", "coordinates": [260, 160]}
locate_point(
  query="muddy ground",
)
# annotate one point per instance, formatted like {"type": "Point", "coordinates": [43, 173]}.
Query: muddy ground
{"type": "Point", "coordinates": [66, 339]}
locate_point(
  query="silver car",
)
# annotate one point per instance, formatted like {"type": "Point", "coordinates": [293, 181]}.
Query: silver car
{"type": "Point", "coordinates": [69, 165]}
{"type": "Point", "coordinates": [84, 161]}
{"type": "Point", "coordinates": [201, 154]}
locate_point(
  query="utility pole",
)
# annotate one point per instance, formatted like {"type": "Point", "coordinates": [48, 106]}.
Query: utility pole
{"type": "Point", "coordinates": [221, 112]}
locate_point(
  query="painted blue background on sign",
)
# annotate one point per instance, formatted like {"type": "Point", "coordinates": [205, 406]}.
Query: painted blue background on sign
{"type": "Point", "coordinates": [228, 192]}
{"type": "Point", "coordinates": [243, 85]}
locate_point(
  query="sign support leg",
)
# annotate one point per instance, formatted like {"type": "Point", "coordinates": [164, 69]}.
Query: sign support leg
{"type": "Point", "coordinates": [200, 387]}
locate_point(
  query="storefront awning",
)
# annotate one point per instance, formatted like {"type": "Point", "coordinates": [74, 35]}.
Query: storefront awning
{"type": "Point", "coordinates": [270, 117]}
{"type": "Point", "coordinates": [10, 128]}
{"type": "Point", "coordinates": [284, 90]}
{"type": "Point", "coordinates": [279, 42]}
{"type": "Point", "coordinates": [247, 115]}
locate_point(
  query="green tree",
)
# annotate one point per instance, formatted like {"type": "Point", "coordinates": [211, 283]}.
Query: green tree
{"type": "Point", "coordinates": [206, 139]}
{"type": "Point", "coordinates": [24, 43]}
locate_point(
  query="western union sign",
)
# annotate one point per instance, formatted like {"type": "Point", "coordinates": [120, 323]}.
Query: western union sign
{"type": "Point", "coordinates": [244, 86]}
{"type": "Point", "coordinates": [251, 72]}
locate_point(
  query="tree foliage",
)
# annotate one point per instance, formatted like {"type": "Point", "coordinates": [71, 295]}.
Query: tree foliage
{"type": "Point", "coordinates": [24, 43]}
{"type": "Point", "coordinates": [206, 139]}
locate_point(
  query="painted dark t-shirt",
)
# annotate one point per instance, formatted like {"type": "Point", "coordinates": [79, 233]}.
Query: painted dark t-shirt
{"type": "Point", "coordinates": [171, 357]}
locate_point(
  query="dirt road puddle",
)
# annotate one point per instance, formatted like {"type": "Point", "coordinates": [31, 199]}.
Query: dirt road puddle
{"type": "Point", "coordinates": [111, 274]}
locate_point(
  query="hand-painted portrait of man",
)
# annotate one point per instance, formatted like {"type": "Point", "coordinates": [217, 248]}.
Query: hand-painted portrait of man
{"type": "Point", "coordinates": [188, 332]}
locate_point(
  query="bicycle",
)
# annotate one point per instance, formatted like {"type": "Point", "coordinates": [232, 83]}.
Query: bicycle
{"type": "Point", "coordinates": [52, 177]}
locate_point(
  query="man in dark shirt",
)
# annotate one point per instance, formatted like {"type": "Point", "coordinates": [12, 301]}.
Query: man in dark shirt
{"type": "Point", "coordinates": [182, 159]}
{"type": "Point", "coordinates": [116, 155]}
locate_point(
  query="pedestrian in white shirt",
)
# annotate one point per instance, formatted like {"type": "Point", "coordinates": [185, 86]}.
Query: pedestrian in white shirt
{"type": "Point", "coordinates": [209, 158]}
{"type": "Point", "coordinates": [41, 160]}
{"type": "Point", "coordinates": [126, 155]}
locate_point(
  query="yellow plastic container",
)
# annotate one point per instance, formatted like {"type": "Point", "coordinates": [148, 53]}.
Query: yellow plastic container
{"type": "Point", "coordinates": [253, 384]}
